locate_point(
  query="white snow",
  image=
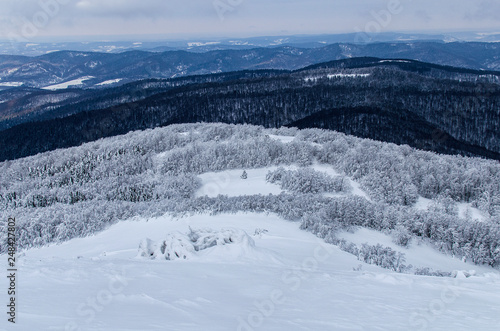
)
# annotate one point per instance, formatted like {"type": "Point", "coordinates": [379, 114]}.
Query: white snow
{"type": "Point", "coordinates": [355, 186]}
{"type": "Point", "coordinates": [108, 82]}
{"type": "Point", "coordinates": [199, 44]}
{"type": "Point", "coordinates": [11, 84]}
{"type": "Point", "coordinates": [283, 139]}
{"type": "Point", "coordinates": [290, 281]}
{"type": "Point", "coordinates": [394, 61]}
{"type": "Point", "coordinates": [347, 75]}
{"type": "Point", "coordinates": [231, 184]}
{"type": "Point", "coordinates": [74, 82]}
{"type": "Point", "coordinates": [206, 245]}
{"type": "Point", "coordinates": [339, 75]}
{"type": "Point", "coordinates": [423, 203]}
{"type": "Point", "coordinates": [419, 254]}
{"type": "Point", "coordinates": [262, 273]}
{"type": "Point", "coordinates": [466, 208]}
{"type": "Point", "coordinates": [11, 71]}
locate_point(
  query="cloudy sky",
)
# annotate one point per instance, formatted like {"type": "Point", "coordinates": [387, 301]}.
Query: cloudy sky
{"type": "Point", "coordinates": [93, 19]}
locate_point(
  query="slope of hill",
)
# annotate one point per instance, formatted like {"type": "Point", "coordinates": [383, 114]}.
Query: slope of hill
{"type": "Point", "coordinates": [90, 69]}
{"type": "Point", "coordinates": [200, 226]}
{"type": "Point", "coordinates": [156, 171]}
{"type": "Point", "coordinates": [28, 104]}
{"type": "Point", "coordinates": [445, 109]}
{"type": "Point", "coordinates": [283, 278]}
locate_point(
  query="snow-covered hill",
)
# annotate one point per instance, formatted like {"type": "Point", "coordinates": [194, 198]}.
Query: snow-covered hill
{"type": "Point", "coordinates": [237, 227]}
{"type": "Point", "coordinates": [289, 280]}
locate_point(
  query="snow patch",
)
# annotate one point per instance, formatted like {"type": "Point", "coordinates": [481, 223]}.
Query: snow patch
{"type": "Point", "coordinates": [199, 44]}
{"type": "Point", "coordinates": [418, 254]}
{"type": "Point", "coordinates": [11, 84]}
{"type": "Point", "coordinates": [347, 75]}
{"type": "Point", "coordinates": [394, 61]}
{"type": "Point", "coordinates": [339, 75]}
{"type": "Point", "coordinates": [465, 210]}
{"type": "Point", "coordinates": [108, 82]}
{"type": "Point", "coordinates": [423, 203]}
{"type": "Point", "coordinates": [74, 82]}
{"type": "Point", "coordinates": [283, 139]}
{"type": "Point", "coordinates": [231, 184]}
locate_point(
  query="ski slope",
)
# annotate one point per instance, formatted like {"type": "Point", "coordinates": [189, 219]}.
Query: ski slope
{"type": "Point", "coordinates": [287, 280]}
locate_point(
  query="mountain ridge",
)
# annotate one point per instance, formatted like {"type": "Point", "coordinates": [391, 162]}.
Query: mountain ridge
{"type": "Point", "coordinates": [64, 66]}
{"type": "Point", "coordinates": [460, 104]}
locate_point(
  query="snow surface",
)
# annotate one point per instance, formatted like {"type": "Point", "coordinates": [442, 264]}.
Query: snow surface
{"type": "Point", "coordinates": [355, 186]}
{"type": "Point", "coordinates": [108, 82]}
{"type": "Point", "coordinates": [347, 75]}
{"type": "Point", "coordinates": [199, 44]}
{"type": "Point", "coordinates": [289, 280]}
{"type": "Point", "coordinates": [417, 254]}
{"type": "Point", "coordinates": [74, 82]}
{"type": "Point", "coordinates": [231, 184]}
{"type": "Point", "coordinates": [11, 84]}
{"type": "Point", "coordinates": [283, 139]}
{"type": "Point", "coordinates": [330, 76]}
{"type": "Point", "coordinates": [394, 61]}
{"type": "Point", "coordinates": [465, 208]}
{"type": "Point", "coordinates": [423, 203]}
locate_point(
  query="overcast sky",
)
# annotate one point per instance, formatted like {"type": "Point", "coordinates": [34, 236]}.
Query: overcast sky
{"type": "Point", "coordinates": [237, 18]}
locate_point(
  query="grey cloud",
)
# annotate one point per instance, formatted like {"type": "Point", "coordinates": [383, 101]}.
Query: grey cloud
{"type": "Point", "coordinates": [247, 16]}
{"type": "Point", "coordinates": [488, 9]}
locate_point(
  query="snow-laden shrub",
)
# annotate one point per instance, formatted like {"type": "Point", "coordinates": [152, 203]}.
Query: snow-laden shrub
{"type": "Point", "coordinates": [384, 257]}
{"type": "Point", "coordinates": [184, 246]}
{"type": "Point", "coordinates": [390, 187]}
{"type": "Point", "coordinates": [379, 255]}
{"type": "Point", "coordinates": [401, 236]}
{"type": "Point", "coordinates": [429, 272]}
{"type": "Point", "coordinates": [306, 180]}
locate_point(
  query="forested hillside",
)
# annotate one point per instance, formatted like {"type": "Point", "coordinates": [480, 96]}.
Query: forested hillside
{"type": "Point", "coordinates": [443, 109]}
{"type": "Point", "coordinates": [328, 182]}
{"type": "Point", "coordinates": [22, 105]}
{"type": "Point", "coordinates": [58, 67]}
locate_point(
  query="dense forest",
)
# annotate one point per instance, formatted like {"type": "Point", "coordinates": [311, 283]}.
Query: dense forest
{"type": "Point", "coordinates": [78, 191]}
{"type": "Point", "coordinates": [430, 107]}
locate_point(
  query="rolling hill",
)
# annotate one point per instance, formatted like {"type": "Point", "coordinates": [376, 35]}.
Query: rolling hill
{"type": "Point", "coordinates": [432, 107]}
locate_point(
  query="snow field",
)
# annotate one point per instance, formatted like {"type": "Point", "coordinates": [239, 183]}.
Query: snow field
{"type": "Point", "coordinates": [109, 82]}
{"type": "Point", "coordinates": [74, 82]}
{"type": "Point", "coordinates": [291, 281]}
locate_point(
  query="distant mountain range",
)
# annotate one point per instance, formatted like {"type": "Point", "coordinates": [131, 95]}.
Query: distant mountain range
{"type": "Point", "coordinates": [60, 70]}
{"type": "Point", "coordinates": [155, 44]}
{"type": "Point", "coordinates": [433, 107]}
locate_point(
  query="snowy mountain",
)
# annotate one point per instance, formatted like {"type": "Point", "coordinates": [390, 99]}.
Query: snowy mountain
{"type": "Point", "coordinates": [36, 48]}
{"type": "Point", "coordinates": [439, 108]}
{"type": "Point", "coordinates": [237, 227]}
{"type": "Point", "coordinates": [71, 67]}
